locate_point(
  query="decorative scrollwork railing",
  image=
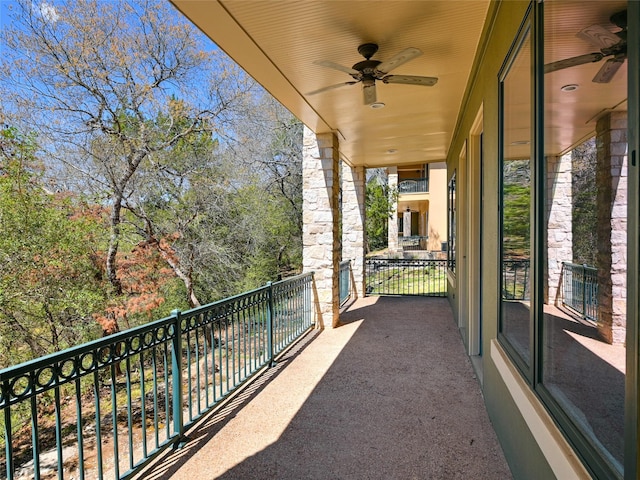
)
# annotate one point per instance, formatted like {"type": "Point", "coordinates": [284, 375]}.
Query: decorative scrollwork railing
{"type": "Point", "coordinates": [106, 408]}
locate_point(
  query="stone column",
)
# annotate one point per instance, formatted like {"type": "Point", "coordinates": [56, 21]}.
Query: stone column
{"type": "Point", "coordinates": [320, 217]}
{"type": "Point", "coordinates": [559, 228]}
{"type": "Point", "coordinates": [353, 224]}
{"type": "Point", "coordinates": [611, 181]}
{"type": "Point", "coordinates": [392, 180]}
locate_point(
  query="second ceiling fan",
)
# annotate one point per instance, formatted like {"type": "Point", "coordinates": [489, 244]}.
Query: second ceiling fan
{"type": "Point", "coordinates": [368, 71]}
{"type": "Point", "coordinates": [611, 44]}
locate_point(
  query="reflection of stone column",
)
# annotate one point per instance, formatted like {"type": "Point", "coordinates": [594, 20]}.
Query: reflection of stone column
{"type": "Point", "coordinates": [353, 221]}
{"type": "Point", "coordinates": [392, 179]}
{"type": "Point", "coordinates": [559, 229]}
{"type": "Point", "coordinates": [406, 223]}
{"type": "Point", "coordinates": [611, 180]}
{"type": "Point", "coordinates": [320, 232]}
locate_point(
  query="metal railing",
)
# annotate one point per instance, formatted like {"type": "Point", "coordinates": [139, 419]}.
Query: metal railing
{"type": "Point", "coordinates": [515, 280]}
{"type": "Point", "coordinates": [580, 289]}
{"type": "Point", "coordinates": [390, 276]}
{"type": "Point", "coordinates": [345, 281]}
{"type": "Point", "coordinates": [413, 242]}
{"type": "Point", "coordinates": [106, 408]}
{"type": "Point", "coordinates": [413, 185]}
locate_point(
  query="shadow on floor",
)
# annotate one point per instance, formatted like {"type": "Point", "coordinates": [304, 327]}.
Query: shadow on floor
{"type": "Point", "coordinates": [399, 401]}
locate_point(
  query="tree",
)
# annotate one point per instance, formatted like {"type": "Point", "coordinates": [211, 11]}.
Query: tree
{"type": "Point", "coordinates": [269, 194]}
{"type": "Point", "coordinates": [380, 204]}
{"type": "Point", "coordinates": [584, 212]}
{"type": "Point", "coordinates": [516, 206]}
{"type": "Point", "coordinates": [99, 82]}
{"type": "Point", "coordinates": [51, 280]}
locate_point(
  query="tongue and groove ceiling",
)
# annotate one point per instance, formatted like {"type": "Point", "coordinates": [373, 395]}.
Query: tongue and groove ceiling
{"type": "Point", "coordinates": [278, 42]}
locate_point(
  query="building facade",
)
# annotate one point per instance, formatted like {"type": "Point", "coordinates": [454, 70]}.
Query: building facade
{"type": "Point", "coordinates": [419, 219]}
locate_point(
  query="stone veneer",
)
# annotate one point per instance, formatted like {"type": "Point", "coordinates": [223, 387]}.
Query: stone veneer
{"type": "Point", "coordinates": [320, 218]}
{"type": "Point", "coordinates": [392, 179]}
{"type": "Point", "coordinates": [559, 230]}
{"type": "Point", "coordinates": [353, 224]}
{"type": "Point", "coordinates": [611, 180]}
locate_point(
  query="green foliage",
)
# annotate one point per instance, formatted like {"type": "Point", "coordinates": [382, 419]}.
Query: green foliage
{"type": "Point", "coordinates": [516, 204]}
{"type": "Point", "coordinates": [50, 283]}
{"type": "Point", "coordinates": [194, 175]}
{"type": "Point", "coordinates": [380, 204]}
{"type": "Point", "coordinates": [584, 212]}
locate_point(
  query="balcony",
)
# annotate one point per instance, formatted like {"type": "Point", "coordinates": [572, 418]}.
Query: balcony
{"type": "Point", "coordinates": [413, 242]}
{"type": "Point", "coordinates": [389, 394]}
{"type": "Point", "coordinates": [413, 185]}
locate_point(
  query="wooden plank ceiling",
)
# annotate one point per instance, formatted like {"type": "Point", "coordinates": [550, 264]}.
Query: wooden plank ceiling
{"type": "Point", "coordinates": [278, 43]}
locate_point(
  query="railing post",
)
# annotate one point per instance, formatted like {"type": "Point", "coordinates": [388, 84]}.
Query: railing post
{"type": "Point", "coordinates": [270, 315]}
{"type": "Point", "coordinates": [8, 441]}
{"type": "Point", "coordinates": [584, 290]}
{"type": "Point", "coordinates": [176, 373]}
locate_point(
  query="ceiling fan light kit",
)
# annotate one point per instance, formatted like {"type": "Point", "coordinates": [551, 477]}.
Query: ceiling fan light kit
{"type": "Point", "coordinates": [368, 71]}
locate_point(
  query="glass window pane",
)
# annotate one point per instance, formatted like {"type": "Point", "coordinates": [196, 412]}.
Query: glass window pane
{"type": "Point", "coordinates": [516, 202]}
{"type": "Point", "coordinates": [584, 301]}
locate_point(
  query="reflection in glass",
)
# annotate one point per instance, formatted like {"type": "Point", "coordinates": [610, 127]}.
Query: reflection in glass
{"type": "Point", "coordinates": [516, 202]}
{"type": "Point", "coordinates": [585, 221]}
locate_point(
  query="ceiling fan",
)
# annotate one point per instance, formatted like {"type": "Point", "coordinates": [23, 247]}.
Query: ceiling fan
{"type": "Point", "coordinates": [368, 71]}
{"type": "Point", "coordinates": [611, 44]}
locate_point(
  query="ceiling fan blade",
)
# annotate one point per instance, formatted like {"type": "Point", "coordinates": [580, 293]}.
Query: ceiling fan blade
{"type": "Point", "coordinates": [336, 66]}
{"type": "Point", "coordinates": [608, 70]}
{"type": "Point", "coordinates": [330, 87]}
{"type": "Point", "coordinates": [403, 57]}
{"type": "Point", "coordinates": [411, 80]}
{"type": "Point", "coordinates": [369, 92]}
{"type": "Point", "coordinates": [598, 36]}
{"type": "Point", "coordinates": [573, 61]}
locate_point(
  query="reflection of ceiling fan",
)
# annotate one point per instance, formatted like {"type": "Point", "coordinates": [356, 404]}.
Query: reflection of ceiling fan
{"type": "Point", "coordinates": [612, 45]}
{"type": "Point", "coordinates": [368, 71]}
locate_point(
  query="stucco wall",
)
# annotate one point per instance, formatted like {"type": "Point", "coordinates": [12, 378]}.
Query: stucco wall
{"type": "Point", "coordinates": [437, 205]}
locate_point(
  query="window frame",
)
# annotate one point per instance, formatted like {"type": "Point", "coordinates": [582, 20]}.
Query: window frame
{"type": "Point", "coordinates": [526, 30]}
{"type": "Point", "coordinates": [593, 458]}
{"type": "Point", "coordinates": [451, 224]}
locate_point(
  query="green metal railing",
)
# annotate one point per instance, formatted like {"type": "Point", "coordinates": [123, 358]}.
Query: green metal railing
{"type": "Point", "coordinates": [414, 185]}
{"type": "Point", "coordinates": [515, 280]}
{"type": "Point", "coordinates": [391, 276]}
{"type": "Point", "coordinates": [580, 289]}
{"type": "Point", "coordinates": [106, 408]}
{"type": "Point", "coordinates": [345, 281]}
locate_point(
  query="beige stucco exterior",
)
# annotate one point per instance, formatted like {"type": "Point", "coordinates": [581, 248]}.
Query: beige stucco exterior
{"type": "Point", "coordinates": [428, 204]}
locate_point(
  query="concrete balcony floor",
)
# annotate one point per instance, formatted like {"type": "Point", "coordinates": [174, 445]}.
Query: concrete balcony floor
{"type": "Point", "coordinates": [391, 394]}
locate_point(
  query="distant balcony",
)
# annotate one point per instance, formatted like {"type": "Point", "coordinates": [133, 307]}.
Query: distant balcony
{"type": "Point", "coordinates": [414, 242]}
{"type": "Point", "coordinates": [413, 185]}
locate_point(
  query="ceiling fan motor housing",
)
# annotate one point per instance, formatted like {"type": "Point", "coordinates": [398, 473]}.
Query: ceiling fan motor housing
{"type": "Point", "coordinates": [366, 67]}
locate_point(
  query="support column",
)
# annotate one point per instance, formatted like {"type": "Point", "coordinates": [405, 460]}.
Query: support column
{"type": "Point", "coordinates": [353, 224]}
{"type": "Point", "coordinates": [559, 227]}
{"type": "Point", "coordinates": [611, 180]}
{"type": "Point", "coordinates": [392, 241]}
{"type": "Point", "coordinates": [320, 217]}
{"type": "Point", "coordinates": [406, 223]}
